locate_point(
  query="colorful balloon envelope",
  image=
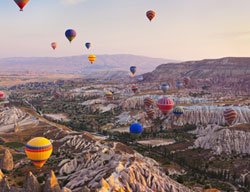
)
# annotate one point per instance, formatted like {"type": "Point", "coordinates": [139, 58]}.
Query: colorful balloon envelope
{"type": "Point", "coordinates": [178, 111]}
{"type": "Point", "coordinates": [150, 113]}
{"type": "Point", "coordinates": [109, 95]}
{"type": "Point", "coordinates": [230, 116]}
{"type": "Point", "coordinates": [134, 89]}
{"type": "Point", "coordinates": [178, 84]}
{"type": "Point", "coordinates": [187, 80]}
{"type": "Point", "coordinates": [136, 130]}
{"type": "Point", "coordinates": [148, 101]}
{"type": "Point", "coordinates": [88, 45]}
{"type": "Point", "coordinates": [140, 78]}
{"type": "Point", "coordinates": [133, 69]}
{"type": "Point", "coordinates": [1, 95]}
{"type": "Point", "coordinates": [92, 58]}
{"type": "Point", "coordinates": [57, 95]}
{"type": "Point", "coordinates": [164, 87]}
{"type": "Point", "coordinates": [70, 34]}
{"type": "Point", "coordinates": [38, 150]}
{"type": "Point", "coordinates": [150, 15]}
{"type": "Point", "coordinates": [21, 3]}
{"type": "Point", "coordinates": [54, 45]}
{"type": "Point", "coordinates": [165, 105]}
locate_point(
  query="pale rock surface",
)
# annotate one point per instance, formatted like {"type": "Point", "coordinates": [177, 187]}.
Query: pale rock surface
{"type": "Point", "coordinates": [7, 161]}
{"type": "Point", "coordinates": [51, 184]}
{"type": "Point", "coordinates": [122, 168]}
{"type": "Point", "coordinates": [222, 140]}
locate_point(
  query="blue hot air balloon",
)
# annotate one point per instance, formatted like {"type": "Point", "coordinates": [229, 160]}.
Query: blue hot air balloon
{"type": "Point", "coordinates": [164, 87]}
{"type": "Point", "coordinates": [136, 129]}
{"type": "Point", "coordinates": [178, 84]}
{"type": "Point", "coordinates": [70, 34]}
{"type": "Point", "coordinates": [88, 45]}
{"type": "Point", "coordinates": [133, 69]}
{"type": "Point", "coordinates": [140, 78]}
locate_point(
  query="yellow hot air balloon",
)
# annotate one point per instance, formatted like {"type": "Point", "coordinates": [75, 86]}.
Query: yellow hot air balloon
{"type": "Point", "coordinates": [38, 150]}
{"type": "Point", "coordinates": [92, 58]}
{"type": "Point", "coordinates": [109, 95]}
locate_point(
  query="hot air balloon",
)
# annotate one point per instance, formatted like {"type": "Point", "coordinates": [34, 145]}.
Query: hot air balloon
{"type": "Point", "coordinates": [57, 95]}
{"type": "Point", "coordinates": [150, 15]}
{"type": "Point", "coordinates": [1, 95]}
{"type": "Point", "coordinates": [230, 116]}
{"type": "Point", "coordinates": [70, 34]}
{"type": "Point", "coordinates": [164, 87]}
{"type": "Point", "coordinates": [133, 69]}
{"type": "Point", "coordinates": [54, 45]}
{"type": "Point", "coordinates": [140, 78]}
{"type": "Point", "coordinates": [178, 84]}
{"type": "Point", "coordinates": [187, 80]}
{"type": "Point", "coordinates": [134, 89]}
{"type": "Point", "coordinates": [38, 150]}
{"type": "Point", "coordinates": [148, 101]}
{"type": "Point", "coordinates": [21, 3]}
{"type": "Point", "coordinates": [150, 113]}
{"type": "Point", "coordinates": [92, 58]}
{"type": "Point", "coordinates": [109, 95]}
{"type": "Point", "coordinates": [136, 129]}
{"type": "Point", "coordinates": [88, 45]}
{"type": "Point", "coordinates": [178, 111]}
{"type": "Point", "coordinates": [165, 104]}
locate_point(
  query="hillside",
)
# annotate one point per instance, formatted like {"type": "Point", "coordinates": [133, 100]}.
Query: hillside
{"type": "Point", "coordinates": [79, 64]}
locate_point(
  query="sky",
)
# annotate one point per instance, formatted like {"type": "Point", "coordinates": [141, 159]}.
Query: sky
{"type": "Point", "coordinates": [181, 30]}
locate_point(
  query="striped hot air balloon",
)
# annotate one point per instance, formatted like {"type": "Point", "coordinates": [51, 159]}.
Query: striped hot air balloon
{"type": "Point", "coordinates": [38, 150]}
{"type": "Point", "coordinates": [165, 104]}
{"type": "Point", "coordinates": [134, 89]}
{"type": "Point", "coordinates": [1, 95]}
{"type": "Point", "coordinates": [178, 111]}
{"type": "Point", "coordinates": [150, 15]}
{"type": "Point", "coordinates": [92, 58]}
{"type": "Point", "coordinates": [148, 101]}
{"type": "Point", "coordinates": [109, 95]}
{"type": "Point", "coordinates": [150, 113]}
{"type": "Point", "coordinates": [230, 116]}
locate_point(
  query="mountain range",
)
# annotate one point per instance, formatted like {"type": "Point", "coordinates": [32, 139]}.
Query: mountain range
{"type": "Point", "coordinates": [79, 64]}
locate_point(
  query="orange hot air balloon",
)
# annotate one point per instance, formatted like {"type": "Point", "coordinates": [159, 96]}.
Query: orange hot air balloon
{"type": "Point", "coordinates": [21, 3]}
{"type": "Point", "coordinates": [92, 58]}
{"type": "Point", "coordinates": [150, 14]}
{"type": "Point", "coordinates": [54, 45]}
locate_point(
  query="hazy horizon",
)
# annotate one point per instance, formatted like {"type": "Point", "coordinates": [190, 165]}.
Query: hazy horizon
{"type": "Point", "coordinates": [181, 30]}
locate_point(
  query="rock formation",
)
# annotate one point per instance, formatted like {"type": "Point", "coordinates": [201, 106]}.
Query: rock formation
{"type": "Point", "coordinates": [51, 184]}
{"type": "Point", "coordinates": [31, 184]}
{"type": "Point", "coordinates": [4, 184]}
{"type": "Point", "coordinates": [7, 161]}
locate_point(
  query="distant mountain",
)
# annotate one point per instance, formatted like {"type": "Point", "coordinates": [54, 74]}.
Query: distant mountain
{"type": "Point", "coordinates": [79, 64]}
{"type": "Point", "coordinates": [208, 68]}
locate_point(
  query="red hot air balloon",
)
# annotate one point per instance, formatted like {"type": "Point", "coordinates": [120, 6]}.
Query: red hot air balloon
{"type": "Point", "coordinates": [54, 45]}
{"type": "Point", "coordinates": [1, 95]}
{"type": "Point", "coordinates": [165, 105]}
{"type": "Point", "coordinates": [21, 3]}
{"type": "Point", "coordinates": [150, 15]}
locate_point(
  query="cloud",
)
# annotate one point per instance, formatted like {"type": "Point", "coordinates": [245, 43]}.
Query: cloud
{"type": "Point", "coordinates": [73, 1]}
